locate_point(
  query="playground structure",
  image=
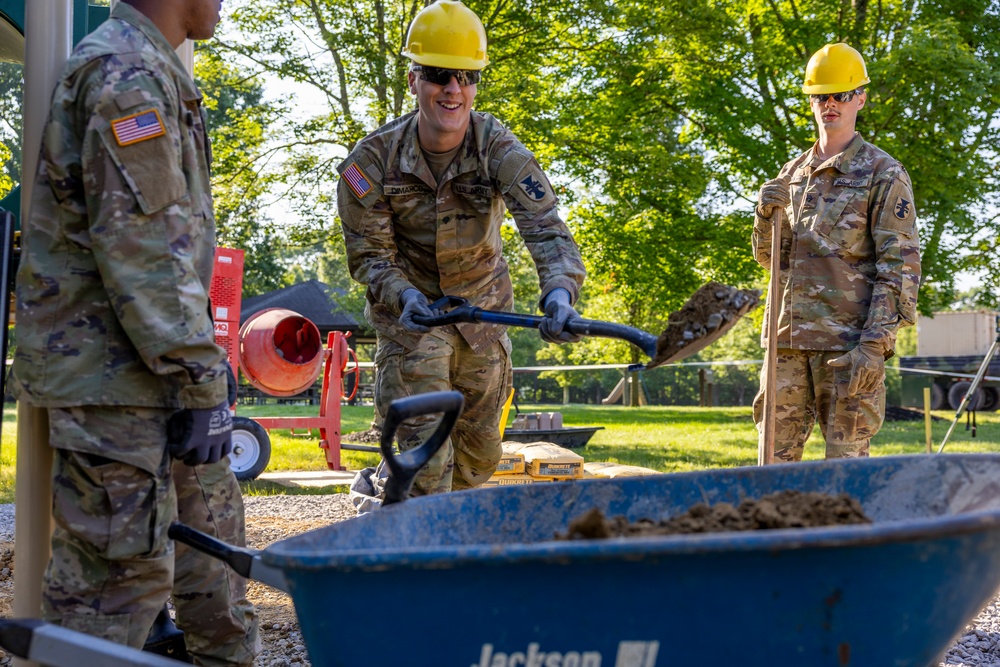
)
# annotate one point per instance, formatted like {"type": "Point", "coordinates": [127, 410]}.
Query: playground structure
{"type": "Point", "coordinates": [280, 353]}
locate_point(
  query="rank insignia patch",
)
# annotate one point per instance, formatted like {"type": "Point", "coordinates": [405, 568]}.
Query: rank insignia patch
{"type": "Point", "coordinates": [356, 179]}
{"type": "Point", "coordinates": [533, 188]}
{"type": "Point", "coordinates": [138, 127]}
{"type": "Point", "coordinates": [902, 208]}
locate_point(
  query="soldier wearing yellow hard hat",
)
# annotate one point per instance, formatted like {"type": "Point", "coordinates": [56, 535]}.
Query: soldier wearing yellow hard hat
{"type": "Point", "coordinates": [421, 203]}
{"type": "Point", "coordinates": [849, 269]}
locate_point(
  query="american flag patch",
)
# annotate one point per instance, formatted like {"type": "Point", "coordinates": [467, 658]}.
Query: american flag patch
{"type": "Point", "coordinates": [138, 127]}
{"type": "Point", "coordinates": [356, 179]}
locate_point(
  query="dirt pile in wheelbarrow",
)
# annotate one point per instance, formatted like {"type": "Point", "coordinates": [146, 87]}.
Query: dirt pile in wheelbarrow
{"type": "Point", "coordinates": [708, 314]}
{"type": "Point", "coordinates": [787, 509]}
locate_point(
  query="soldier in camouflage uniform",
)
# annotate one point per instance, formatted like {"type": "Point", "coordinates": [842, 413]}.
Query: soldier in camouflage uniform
{"type": "Point", "coordinates": [850, 269]}
{"type": "Point", "coordinates": [117, 343]}
{"type": "Point", "coordinates": [421, 202]}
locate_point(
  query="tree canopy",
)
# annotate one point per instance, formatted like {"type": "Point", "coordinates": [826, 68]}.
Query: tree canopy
{"type": "Point", "coordinates": [656, 121]}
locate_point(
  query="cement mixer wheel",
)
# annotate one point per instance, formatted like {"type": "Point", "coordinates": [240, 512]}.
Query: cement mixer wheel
{"type": "Point", "coordinates": [251, 449]}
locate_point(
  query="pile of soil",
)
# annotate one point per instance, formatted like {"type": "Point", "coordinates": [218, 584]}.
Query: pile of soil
{"type": "Point", "coordinates": [710, 312]}
{"type": "Point", "coordinates": [361, 437]}
{"type": "Point", "coordinates": [787, 509]}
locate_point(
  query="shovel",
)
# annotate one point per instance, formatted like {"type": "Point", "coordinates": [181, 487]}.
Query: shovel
{"type": "Point", "coordinates": [710, 312]}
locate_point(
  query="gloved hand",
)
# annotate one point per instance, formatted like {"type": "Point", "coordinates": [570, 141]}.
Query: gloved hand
{"type": "Point", "coordinates": [773, 194]}
{"type": "Point", "coordinates": [866, 364]}
{"type": "Point", "coordinates": [200, 435]}
{"type": "Point", "coordinates": [558, 312]}
{"type": "Point", "coordinates": [413, 303]}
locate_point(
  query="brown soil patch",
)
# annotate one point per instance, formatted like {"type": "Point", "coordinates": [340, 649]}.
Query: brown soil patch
{"type": "Point", "coordinates": [708, 314]}
{"type": "Point", "coordinates": [360, 437]}
{"type": "Point", "coordinates": [787, 509]}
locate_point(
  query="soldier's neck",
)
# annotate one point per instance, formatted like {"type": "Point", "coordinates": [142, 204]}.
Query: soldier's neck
{"type": "Point", "coordinates": [833, 143]}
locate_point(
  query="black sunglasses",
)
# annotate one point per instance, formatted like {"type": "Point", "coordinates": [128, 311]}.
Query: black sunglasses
{"type": "Point", "coordinates": [440, 76]}
{"type": "Point", "coordinates": [837, 97]}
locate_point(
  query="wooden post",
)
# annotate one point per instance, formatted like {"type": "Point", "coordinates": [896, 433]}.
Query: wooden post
{"type": "Point", "coordinates": [48, 40]}
{"type": "Point", "coordinates": [927, 417]}
{"type": "Point", "coordinates": [765, 448]}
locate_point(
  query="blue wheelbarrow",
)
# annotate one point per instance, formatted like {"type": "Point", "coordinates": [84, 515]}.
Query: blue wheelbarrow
{"type": "Point", "coordinates": [476, 578]}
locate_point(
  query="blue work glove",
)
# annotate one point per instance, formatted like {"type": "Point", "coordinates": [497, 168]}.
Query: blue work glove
{"type": "Point", "coordinates": [413, 303]}
{"type": "Point", "coordinates": [200, 435]}
{"type": "Point", "coordinates": [558, 312]}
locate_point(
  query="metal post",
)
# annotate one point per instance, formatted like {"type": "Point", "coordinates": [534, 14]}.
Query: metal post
{"type": "Point", "coordinates": [974, 387]}
{"type": "Point", "coordinates": [927, 417]}
{"type": "Point", "coordinates": [48, 30]}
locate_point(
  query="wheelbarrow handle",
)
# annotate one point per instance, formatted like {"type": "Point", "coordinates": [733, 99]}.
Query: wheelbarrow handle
{"type": "Point", "coordinates": [403, 467]}
{"type": "Point", "coordinates": [49, 644]}
{"type": "Point", "coordinates": [246, 562]}
{"type": "Point", "coordinates": [461, 311]}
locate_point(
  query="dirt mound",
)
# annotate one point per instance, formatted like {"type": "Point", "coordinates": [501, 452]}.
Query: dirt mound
{"type": "Point", "coordinates": [704, 318]}
{"type": "Point", "coordinates": [361, 437]}
{"type": "Point", "coordinates": [787, 509]}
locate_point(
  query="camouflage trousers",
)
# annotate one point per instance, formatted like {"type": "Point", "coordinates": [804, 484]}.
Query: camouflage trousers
{"type": "Point", "coordinates": [440, 362]}
{"type": "Point", "coordinates": [115, 493]}
{"type": "Point", "coordinates": [807, 392]}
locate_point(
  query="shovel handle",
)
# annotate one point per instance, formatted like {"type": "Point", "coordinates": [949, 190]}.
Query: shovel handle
{"type": "Point", "coordinates": [461, 311]}
{"type": "Point", "coordinates": [403, 467]}
{"type": "Point", "coordinates": [238, 558]}
{"type": "Point", "coordinates": [246, 562]}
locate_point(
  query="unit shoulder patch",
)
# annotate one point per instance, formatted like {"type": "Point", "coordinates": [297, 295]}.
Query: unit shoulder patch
{"type": "Point", "coordinates": [138, 127]}
{"type": "Point", "coordinates": [902, 208]}
{"type": "Point", "coordinates": [356, 179]}
{"type": "Point", "coordinates": [533, 187]}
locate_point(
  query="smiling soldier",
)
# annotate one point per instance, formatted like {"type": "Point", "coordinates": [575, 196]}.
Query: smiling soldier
{"type": "Point", "coordinates": [421, 202]}
{"type": "Point", "coordinates": [850, 268]}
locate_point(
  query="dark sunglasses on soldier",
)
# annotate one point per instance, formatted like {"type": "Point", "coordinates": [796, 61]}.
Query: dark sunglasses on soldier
{"type": "Point", "coordinates": [837, 97]}
{"type": "Point", "coordinates": [440, 76]}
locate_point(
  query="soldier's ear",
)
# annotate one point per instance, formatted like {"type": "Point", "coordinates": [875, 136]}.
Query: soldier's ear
{"type": "Point", "coordinates": [411, 79]}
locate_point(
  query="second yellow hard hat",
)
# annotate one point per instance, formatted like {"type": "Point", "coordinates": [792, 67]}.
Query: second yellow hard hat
{"type": "Point", "coordinates": [447, 34]}
{"type": "Point", "coordinates": [836, 68]}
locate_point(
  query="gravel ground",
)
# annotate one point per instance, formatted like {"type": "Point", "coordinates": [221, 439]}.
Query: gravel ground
{"type": "Point", "coordinates": [272, 518]}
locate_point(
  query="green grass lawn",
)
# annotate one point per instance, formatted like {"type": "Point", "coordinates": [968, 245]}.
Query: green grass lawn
{"type": "Point", "coordinates": [662, 438]}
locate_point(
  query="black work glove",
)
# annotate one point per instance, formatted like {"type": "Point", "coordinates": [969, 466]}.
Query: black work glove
{"type": "Point", "coordinates": [413, 303]}
{"type": "Point", "coordinates": [558, 312]}
{"type": "Point", "coordinates": [200, 435]}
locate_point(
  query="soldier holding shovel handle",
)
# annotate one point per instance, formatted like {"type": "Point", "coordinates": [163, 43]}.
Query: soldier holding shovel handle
{"type": "Point", "coordinates": [848, 271]}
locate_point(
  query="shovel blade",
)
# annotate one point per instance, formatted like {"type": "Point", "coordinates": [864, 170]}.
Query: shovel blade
{"type": "Point", "coordinates": [704, 318]}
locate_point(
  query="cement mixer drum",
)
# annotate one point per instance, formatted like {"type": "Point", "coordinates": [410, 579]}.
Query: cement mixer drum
{"type": "Point", "coordinates": [281, 353]}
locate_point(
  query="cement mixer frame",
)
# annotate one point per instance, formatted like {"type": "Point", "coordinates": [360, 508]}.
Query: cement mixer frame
{"type": "Point", "coordinates": [251, 441]}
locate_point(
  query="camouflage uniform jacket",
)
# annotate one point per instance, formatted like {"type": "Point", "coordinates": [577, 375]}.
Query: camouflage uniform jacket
{"type": "Point", "coordinates": [850, 254]}
{"type": "Point", "coordinates": [405, 230]}
{"type": "Point", "coordinates": [112, 289]}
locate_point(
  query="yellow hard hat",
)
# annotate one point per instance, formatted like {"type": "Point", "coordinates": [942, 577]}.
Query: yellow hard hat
{"type": "Point", "coordinates": [836, 68]}
{"type": "Point", "coordinates": [447, 34]}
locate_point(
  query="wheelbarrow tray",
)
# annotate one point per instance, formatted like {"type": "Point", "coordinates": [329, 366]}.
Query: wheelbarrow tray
{"type": "Point", "coordinates": [474, 578]}
{"type": "Point", "coordinates": [571, 437]}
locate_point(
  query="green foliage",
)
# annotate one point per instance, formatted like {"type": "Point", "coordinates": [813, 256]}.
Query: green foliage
{"type": "Point", "coordinates": [11, 123]}
{"type": "Point", "coordinates": [657, 122]}
{"type": "Point", "coordinates": [238, 121]}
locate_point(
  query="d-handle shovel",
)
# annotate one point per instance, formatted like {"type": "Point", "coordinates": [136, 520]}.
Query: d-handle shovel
{"type": "Point", "coordinates": [403, 469]}
{"type": "Point", "coordinates": [461, 311]}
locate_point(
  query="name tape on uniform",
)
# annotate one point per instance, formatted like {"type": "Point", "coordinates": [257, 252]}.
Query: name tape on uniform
{"type": "Point", "coordinates": [356, 179]}
{"type": "Point", "coordinates": [138, 127]}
